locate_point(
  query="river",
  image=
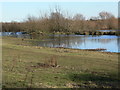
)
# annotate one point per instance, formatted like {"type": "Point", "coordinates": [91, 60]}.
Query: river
{"type": "Point", "coordinates": [108, 42]}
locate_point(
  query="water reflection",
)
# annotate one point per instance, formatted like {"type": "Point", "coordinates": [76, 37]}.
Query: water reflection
{"type": "Point", "coordinates": [16, 34]}
{"type": "Point", "coordinates": [108, 30]}
{"type": "Point", "coordinates": [83, 42]}
{"type": "Point", "coordinates": [109, 42]}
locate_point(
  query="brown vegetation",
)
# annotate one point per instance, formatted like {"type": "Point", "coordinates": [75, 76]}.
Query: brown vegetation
{"type": "Point", "coordinates": [58, 22]}
{"type": "Point", "coordinates": [51, 62]}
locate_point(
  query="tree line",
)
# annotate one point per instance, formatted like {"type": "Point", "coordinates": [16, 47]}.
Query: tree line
{"type": "Point", "coordinates": [57, 22]}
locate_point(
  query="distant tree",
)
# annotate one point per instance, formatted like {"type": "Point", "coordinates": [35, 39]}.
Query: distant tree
{"type": "Point", "coordinates": [57, 21]}
{"type": "Point", "coordinates": [105, 15]}
{"type": "Point", "coordinates": [108, 19]}
{"type": "Point", "coordinates": [79, 17]}
{"type": "Point", "coordinates": [31, 18]}
{"type": "Point", "coordinates": [78, 23]}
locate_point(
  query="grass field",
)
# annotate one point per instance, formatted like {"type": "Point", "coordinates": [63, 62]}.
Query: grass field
{"type": "Point", "coordinates": [75, 68]}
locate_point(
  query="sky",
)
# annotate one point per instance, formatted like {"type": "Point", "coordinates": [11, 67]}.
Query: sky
{"type": "Point", "coordinates": [19, 11]}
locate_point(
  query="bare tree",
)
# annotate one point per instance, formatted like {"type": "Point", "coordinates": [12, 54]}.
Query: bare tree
{"type": "Point", "coordinates": [79, 17]}
{"type": "Point", "coordinates": [57, 21]}
{"type": "Point", "coordinates": [108, 20]}
{"type": "Point", "coordinates": [105, 15]}
{"type": "Point", "coordinates": [78, 22]}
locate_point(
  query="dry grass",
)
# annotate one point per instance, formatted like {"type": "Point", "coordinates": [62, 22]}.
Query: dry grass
{"type": "Point", "coordinates": [78, 68]}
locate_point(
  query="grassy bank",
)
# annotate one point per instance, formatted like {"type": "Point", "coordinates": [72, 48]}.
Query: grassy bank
{"type": "Point", "coordinates": [97, 33]}
{"type": "Point", "coordinates": [43, 35]}
{"type": "Point", "coordinates": [24, 66]}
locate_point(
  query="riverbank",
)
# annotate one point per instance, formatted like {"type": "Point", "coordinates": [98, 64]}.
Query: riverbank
{"type": "Point", "coordinates": [37, 34]}
{"type": "Point", "coordinates": [25, 65]}
{"type": "Point", "coordinates": [98, 33]}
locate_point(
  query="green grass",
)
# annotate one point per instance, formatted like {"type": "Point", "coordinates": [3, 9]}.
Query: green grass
{"type": "Point", "coordinates": [78, 68]}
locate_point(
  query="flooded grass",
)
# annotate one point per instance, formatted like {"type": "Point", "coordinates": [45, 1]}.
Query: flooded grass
{"type": "Point", "coordinates": [77, 68]}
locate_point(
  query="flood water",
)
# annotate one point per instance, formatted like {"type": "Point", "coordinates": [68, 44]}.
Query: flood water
{"type": "Point", "coordinates": [108, 42]}
{"type": "Point", "coordinates": [108, 30]}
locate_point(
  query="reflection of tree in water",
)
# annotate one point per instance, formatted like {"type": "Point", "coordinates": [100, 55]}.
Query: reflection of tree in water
{"type": "Point", "coordinates": [72, 41]}
{"type": "Point", "coordinates": [68, 41]}
{"type": "Point", "coordinates": [103, 40]}
{"type": "Point", "coordinates": [65, 41]}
